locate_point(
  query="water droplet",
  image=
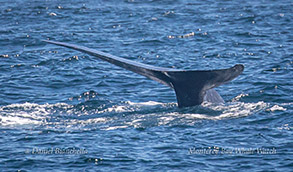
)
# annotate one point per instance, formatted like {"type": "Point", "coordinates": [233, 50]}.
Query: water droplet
{"type": "Point", "coordinates": [4, 55]}
{"type": "Point", "coordinates": [52, 14]}
{"type": "Point", "coordinates": [188, 35]}
{"type": "Point", "coordinates": [168, 12]}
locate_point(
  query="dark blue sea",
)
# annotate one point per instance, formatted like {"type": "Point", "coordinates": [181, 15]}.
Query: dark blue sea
{"type": "Point", "coordinates": [63, 110]}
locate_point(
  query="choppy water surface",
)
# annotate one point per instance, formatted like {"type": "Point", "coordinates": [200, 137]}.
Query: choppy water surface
{"type": "Point", "coordinates": [62, 109]}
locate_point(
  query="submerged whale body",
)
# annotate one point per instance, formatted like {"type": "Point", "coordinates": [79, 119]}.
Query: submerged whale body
{"type": "Point", "coordinates": [192, 87]}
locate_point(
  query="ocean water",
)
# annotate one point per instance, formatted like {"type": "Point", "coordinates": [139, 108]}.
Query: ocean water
{"type": "Point", "coordinates": [63, 110]}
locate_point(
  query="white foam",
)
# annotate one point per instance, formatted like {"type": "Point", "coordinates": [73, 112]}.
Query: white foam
{"type": "Point", "coordinates": [26, 113]}
{"type": "Point", "coordinates": [34, 114]}
{"type": "Point", "coordinates": [149, 103]}
{"type": "Point", "coordinates": [15, 120]}
{"type": "Point", "coordinates": [130, 106]}
{"type": "Point", "coordinates": [234, 110]}
{"type": "Point", "coordinates": [276, 108]}
{"type": "Point", "coordinates": [237, 98]}
{"type": "Point", "coordinates": [116, 127]}
{"type": "Point", "coordinates": [285, 127]}
{"type": "Point", "coordinates": [115, 109]}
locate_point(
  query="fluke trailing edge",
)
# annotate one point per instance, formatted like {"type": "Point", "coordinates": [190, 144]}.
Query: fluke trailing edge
{"type": "Point", "coordinates": [192, 87]}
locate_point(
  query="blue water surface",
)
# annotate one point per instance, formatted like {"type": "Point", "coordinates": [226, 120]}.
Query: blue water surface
{"type": "Point", "coordinates": [63, 110]}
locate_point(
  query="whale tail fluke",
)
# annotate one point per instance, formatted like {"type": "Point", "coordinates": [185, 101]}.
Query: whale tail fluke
{"type": "Point", "coordinates": [192, 87]}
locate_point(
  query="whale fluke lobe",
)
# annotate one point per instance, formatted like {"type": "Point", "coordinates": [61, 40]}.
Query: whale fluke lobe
{"type": "Point", "coordinates": [192, 87]}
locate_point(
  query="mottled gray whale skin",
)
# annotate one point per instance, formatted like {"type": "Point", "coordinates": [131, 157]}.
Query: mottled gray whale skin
{"type": "Point", "coordinates": [192, 87]}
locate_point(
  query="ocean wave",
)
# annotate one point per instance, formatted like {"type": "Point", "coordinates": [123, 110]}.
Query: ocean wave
{"type": "Point", "coordinates": [28, 113]}
{"type": "Point", "coordinates": [125, 114]}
